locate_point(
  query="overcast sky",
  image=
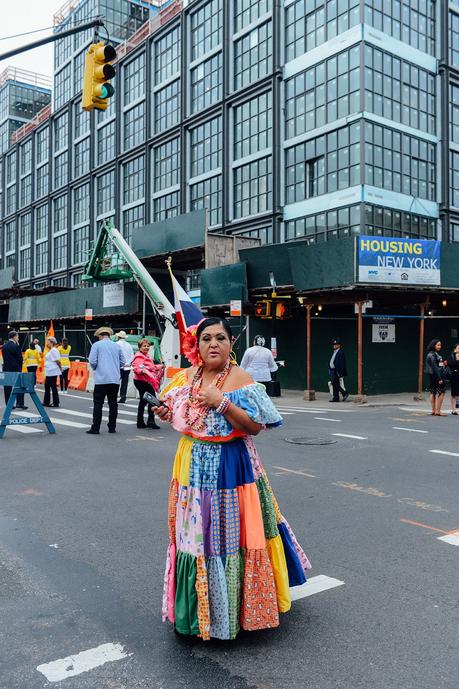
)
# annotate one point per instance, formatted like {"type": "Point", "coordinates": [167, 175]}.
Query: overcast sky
{"type": "Point", "coordinates": [19, 16]}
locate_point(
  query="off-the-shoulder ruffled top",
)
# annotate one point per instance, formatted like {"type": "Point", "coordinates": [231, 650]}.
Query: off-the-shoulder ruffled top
{"type": "Point", "coordinates": [251, 398]}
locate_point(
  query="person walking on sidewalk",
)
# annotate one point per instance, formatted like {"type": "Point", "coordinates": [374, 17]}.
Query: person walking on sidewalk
{"type": "Point", "coordinates": [12, 362]}
{"type": "Point", "coordinates": [65, 349]}
{"type": "Point", "coordinates": [32, 359]}
{"type": "Point", "coordinates": [126, 370]}
{"type": "Point", "coordinates": [258, 361]}
{"type": "Point", "coordinates": [337, 371]}
{"type": "Point", "coordinates": [53, 369]}
{"type": "Point", "coordinates": [106, 360]}
{"type": "Point", "coordinates": [437, 384]}
{"type": "Point", "coordinates": [147, 378]}
{"type": "Point", "coordinates": [453, 363]}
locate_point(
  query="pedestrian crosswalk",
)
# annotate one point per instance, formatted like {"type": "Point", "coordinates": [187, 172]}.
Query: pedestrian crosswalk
{"type": "Point", "coordinates": [58, 416]}
{"type": "Point", "coordinates": [73, 418]}
{"type": "Point", "coordinates": [86, 415]}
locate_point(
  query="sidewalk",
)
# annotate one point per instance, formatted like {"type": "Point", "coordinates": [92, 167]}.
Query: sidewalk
{"type": "Point", "coordinates": [294, 398]}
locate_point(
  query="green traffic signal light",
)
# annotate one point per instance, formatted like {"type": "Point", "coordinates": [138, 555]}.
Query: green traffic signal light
{"type": "Point", "coordinates": [106, 91]}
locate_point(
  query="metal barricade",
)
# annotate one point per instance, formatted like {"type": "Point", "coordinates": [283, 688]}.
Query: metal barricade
{"type": "Point", "coordinates": [22, 384]}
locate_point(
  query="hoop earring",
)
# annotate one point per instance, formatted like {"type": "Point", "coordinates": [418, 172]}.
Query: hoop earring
{"type": "Point", "coordinates": [232, 358]}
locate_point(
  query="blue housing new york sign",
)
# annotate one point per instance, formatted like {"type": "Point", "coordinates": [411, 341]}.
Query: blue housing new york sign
{"type": "Point", "coordinates": [389, 260]}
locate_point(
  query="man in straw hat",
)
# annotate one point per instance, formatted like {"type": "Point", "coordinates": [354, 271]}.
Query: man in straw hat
{"type": "Point", "coordinates": [106, 359]}
{"type": "Point", "coordinates": [125, 371]}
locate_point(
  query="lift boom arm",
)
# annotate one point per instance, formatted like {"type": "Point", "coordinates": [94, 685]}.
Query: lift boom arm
{"type": "Point", "coordinates": [100, 267]}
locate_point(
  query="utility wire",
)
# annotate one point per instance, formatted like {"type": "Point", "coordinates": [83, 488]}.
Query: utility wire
{"type": "Point", "coordinates": [46, 28]}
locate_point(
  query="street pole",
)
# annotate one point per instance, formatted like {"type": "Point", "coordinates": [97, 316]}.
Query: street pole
{"type": "Point", "coordinates": [359, 348]}
{"type": "Point", "coordinates": [241, 318]}
{"type": "Point", "coordinates": [85, 335]}
{"type": "Point", "coordinates": [273, 329]}
{"type": "Point", "coordinates": [51, 39]}
{"type": "Point", "coordinates": [421, 347]}
{"type": "Point", "coordinates": [308, 346]}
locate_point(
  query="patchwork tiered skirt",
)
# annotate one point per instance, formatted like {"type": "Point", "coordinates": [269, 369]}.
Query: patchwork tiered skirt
{"type": "Point", "coordinates": [232, 556]}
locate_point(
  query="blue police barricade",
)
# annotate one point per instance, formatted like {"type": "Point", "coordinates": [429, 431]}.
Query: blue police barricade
{"type": "Point", "coordinates": [22, 383]}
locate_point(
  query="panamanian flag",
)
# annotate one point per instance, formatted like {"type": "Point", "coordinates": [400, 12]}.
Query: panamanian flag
{"type": "Point", "coordinates": [186, 311]}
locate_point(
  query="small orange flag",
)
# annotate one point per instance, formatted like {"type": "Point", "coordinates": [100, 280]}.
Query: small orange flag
{"type": "Point", "coordinates": [51, 330]}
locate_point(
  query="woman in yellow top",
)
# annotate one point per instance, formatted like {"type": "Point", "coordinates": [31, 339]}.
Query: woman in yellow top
{"type": "Point", "coordinates": [65, 349]}
{"type": "Point", "coordinates": [32, 358]}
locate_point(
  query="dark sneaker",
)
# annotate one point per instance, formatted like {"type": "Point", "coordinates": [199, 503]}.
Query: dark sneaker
{"type": "Point", "coordinates": [22, 408]}
{"type": "Point", "coordinates": [345, 396]}
{"type": "Point", "coordinates": [333, 400]}
{"type": "Point", "coordinates": [111, 430]}
{"type": "Point", "coordinates": [141, 425]}
{"type": "Point", "coordinates": [92, 432]}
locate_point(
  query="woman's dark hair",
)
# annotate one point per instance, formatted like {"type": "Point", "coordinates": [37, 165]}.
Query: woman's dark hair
{"type": "Point", "coordinates": [431, 345]}
{"type": "Point", "coordinates": [214, 320]}
{"type": "Point", "coordinates": [32, 345]}
{"type": "Point", "coordinates": [64, 342]}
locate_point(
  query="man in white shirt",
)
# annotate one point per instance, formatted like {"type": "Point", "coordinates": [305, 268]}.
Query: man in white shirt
{"type": "Point", "coordinates": [258, 361]}
{"type": "Point", "coordinates": [125, 371]}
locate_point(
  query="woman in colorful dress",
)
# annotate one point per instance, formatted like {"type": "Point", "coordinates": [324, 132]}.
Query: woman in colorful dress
{"type": "Point", "coordinates": [232, 556]}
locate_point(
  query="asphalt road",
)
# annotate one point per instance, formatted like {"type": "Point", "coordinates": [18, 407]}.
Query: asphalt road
{"type": "Point", "coordinates": [83, 534]}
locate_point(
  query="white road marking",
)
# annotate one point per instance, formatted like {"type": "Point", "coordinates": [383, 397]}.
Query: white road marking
{"type": "Point", "coordinates": [314, 410]}
{"type": "Point", "coordinates": [424, 410]}
{"type": "Point", "coordinates": [287, 413]}
{"type": "Point", "coordinates": [60, 422]}
{"type": "Point", "coordinates": [120, 411]}
{"type": "Point", "coordinates": [411, 430]}
{"type": "Point", "coordinates": [89, 416]}
{"type": "Point", "coordinates": [74, 665]}
{"type": "Point", "coordinates": [144, 437]}
{"type": "Point", "coordinates": [325, 418]}
{"type": "Point", "coordinates": [25, 429]}
{"type": "Point", "coordinates": [346, 435]}
{"type": "Point", "coordinates": [293, 471]}
{"type": "Point", "coordinates": [314, 585]}
{"type": "Point", "coordinates": [452, 539]}
{"type": "Point", "coordinates": [444, 452]}
{"type": "Point", "coordinates": [88, 397]}
{"type": "Point", "coordinates": [291, 410]}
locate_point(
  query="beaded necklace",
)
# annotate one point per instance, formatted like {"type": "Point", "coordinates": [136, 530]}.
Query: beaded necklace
{"type": "Point", "coordinates": [196, 413]}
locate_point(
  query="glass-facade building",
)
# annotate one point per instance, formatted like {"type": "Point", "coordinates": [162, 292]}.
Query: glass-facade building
{"type": "Point", "coordinates": [294, 120]}
{"type": "Point", "coordinates": [22, 95]}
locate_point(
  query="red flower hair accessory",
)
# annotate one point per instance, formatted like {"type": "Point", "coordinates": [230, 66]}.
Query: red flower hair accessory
{"type": "Point", "coordinates": [190, 347]}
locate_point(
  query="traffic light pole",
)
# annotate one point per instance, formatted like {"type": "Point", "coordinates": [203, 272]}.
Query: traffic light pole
{"type": "Point", "coordinates": [51, 39]}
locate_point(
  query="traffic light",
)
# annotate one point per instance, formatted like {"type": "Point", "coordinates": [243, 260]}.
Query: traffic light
{"type": "Point", "coordinates": [283, 309]}
{"type": "Point", "coordinates": [98, 71]}
{"type": "Point", "coordinates": [263, 309]}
